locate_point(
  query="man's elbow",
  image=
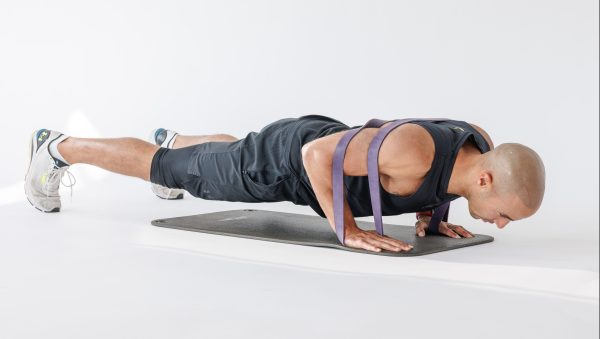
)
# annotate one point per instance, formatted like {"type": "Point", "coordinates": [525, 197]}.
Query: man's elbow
{"type": "Point", "coordinates": [304, 151]}
{"type": "Point", "coordinates": [314, 159]}
{"type": "Point", "coordinates": [308, 157]}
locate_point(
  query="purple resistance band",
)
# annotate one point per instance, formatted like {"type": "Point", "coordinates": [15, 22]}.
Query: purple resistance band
{"type": "Point", "coordinates": [439, 213]}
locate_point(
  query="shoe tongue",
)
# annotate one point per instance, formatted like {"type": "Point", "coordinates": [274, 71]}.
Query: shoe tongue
{"type": "Point", "coordinates": [161, 137]}
{"type": "Point", "coordinates": [41, 136]}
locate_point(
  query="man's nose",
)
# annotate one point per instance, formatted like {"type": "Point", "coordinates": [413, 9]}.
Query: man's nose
{"type": "Point", "coordinates": [501, 223]}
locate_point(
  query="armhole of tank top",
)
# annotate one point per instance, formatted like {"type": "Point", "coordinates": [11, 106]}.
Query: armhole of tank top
{"type": "Point", "coordinates": [478, 139]}
{"type": "Point", "coordinates": [440, 156]}
{"type": "Point", "coordinates": [439, 152]}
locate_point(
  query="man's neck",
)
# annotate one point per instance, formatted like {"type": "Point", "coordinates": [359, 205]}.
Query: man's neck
{"type": "Point", "coordinates": [465, 167]}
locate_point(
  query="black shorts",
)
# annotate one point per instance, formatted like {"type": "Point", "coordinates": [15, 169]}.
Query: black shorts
{"type": "Point", "coordinates": [265, 166]}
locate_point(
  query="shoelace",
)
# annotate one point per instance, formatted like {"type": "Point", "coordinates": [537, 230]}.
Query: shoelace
{"type": "Point", "coordinates": [55, 179]}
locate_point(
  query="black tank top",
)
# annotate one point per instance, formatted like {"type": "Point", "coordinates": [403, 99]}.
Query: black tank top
{"type": "Point", "coordinates": [448, 138]}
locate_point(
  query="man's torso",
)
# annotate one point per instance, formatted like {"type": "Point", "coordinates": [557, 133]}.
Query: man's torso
{"type": "Point", "coordinates": [420, 189]}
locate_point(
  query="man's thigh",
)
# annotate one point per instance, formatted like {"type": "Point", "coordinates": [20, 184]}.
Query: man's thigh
{"type": "Point", "coordinates": [214, 172]}
{"type": "Point", "coordinates": [228, 171]}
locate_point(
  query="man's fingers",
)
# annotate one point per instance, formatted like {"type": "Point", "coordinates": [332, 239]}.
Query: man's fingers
{"type": "Point", "coordinates": [463, 232]}
{"type": "Point", "coordinates": [399, 244]}
{"type": "Point", "coordinates": [394, 247]}
{"type": "Point", "coordinates": [393, 244]}
{"type": "Point", "coordinates": [362, 243]}
{"type": "Point", "coordinates": [387, 243]}
{"type": "Point", "coordinates": [372, 241]}
{"type": "Point", "coordinates": [453, 231]}
{"type": "Point", "coordinates": [447, 231]}
{"type": "Point", "coordinates": [374, 235]}
{"type": "Point", "coordinates": [420, 228]}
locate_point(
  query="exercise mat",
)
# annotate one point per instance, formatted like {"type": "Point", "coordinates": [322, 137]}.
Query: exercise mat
{"type": "Point", "coordinates": [308, 230]}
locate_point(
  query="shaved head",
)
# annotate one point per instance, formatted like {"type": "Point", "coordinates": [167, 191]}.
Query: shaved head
{"type": "Point", "coordinates": [517, 170]}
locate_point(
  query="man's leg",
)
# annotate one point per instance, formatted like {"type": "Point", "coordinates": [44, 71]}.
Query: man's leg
{"type": "Point", "coordinates": [128, 156]}
{"type": "Point", "coordinates": [189, 140]}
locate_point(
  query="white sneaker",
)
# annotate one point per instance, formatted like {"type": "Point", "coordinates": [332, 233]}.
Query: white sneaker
{"type": "Point", "coordinates": [165, 138]}
{"type": "Point", "coordinates": [45, 172]}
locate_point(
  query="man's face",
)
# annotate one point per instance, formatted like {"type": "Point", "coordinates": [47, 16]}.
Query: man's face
{"type": "Point", "coordinates": [492, 208]}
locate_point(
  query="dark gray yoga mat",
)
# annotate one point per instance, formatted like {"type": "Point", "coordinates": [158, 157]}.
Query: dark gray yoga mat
{"type": "Point", "coordinates": [307, 230]}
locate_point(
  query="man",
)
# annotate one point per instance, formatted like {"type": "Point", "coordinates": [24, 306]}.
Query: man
{"type": "Point", "coordinates": [422, 165]}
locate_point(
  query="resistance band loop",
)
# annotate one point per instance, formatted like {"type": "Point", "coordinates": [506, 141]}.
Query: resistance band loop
{"type": "Point", "coordinates": [439, 213]}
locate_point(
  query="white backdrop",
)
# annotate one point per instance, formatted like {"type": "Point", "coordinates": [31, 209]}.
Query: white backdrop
{"type": "Point", "coordinates": [526, 71]}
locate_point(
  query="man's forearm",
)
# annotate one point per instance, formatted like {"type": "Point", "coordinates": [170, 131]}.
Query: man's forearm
{"type": "Point", "coordinates": [319, 171]}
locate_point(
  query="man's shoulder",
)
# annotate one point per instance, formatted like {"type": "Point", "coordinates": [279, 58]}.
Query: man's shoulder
{"type": "Point", "coordinates": [418, 132]}
{"type": "Point", "coordinates": [484, 134]}
{"type": "Point", "coordinates": [409, 145]}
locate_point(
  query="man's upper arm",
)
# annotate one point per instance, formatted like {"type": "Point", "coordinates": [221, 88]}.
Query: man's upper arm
{"type": "Point", "coordinates": [320, 151]}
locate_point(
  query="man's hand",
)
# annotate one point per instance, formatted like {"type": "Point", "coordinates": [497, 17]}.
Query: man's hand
{"type": "Point", "coordinates": [372, 241]}
{"type": "Point", "coordinates": [451, 230]}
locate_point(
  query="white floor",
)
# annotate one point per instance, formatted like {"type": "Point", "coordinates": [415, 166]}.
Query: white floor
{"type": "Point", "coordinates": [99, 269]}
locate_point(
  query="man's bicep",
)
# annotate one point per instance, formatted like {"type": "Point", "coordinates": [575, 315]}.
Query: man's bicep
{"type": "Point", "coordinates": [320, 151]}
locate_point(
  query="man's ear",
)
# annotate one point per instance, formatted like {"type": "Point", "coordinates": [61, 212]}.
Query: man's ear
{"type": "Point", "coordinates": [485, 180]}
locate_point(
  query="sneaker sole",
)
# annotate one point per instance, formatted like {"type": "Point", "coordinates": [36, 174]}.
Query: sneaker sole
{"type": "Point", "coordinates": [57, 209]}
{"type": "Point", "coordinates": [179, 196]}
